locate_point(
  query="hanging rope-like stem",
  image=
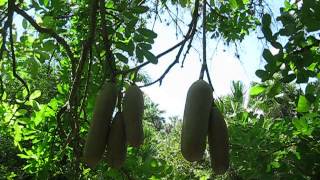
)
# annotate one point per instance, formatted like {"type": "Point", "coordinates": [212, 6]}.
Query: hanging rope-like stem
{"type": "Point", "coordinates": [204, 42]}
{"type": "Point", "coordinates": [204, 67]}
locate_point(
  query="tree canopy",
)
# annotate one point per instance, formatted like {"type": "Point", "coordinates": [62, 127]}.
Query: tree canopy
{"type": "Point", "coordinates": [55, 56]}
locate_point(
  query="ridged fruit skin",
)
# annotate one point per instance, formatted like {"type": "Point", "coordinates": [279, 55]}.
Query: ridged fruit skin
{"type": "Point", "coordinates": [195, 120]}
{"type": "Point", "coordinates": [97, 137]}
{"type": "Point", "coordinates": [218, 140]}
{"type": "Point", "coordinates": [117, 148]}
{"type": "Point", "coordinates": [133, 107]}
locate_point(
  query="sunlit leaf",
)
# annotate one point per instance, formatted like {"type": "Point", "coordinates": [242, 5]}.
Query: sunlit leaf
{"type": "Point", "coordinates": [256, 90]}
{"type": "Point", "coordinates": [303, 104]}
{"type": "Point", "coordinates": [2, 2]}
{"type": "Point", "coordinates": [35, 94]}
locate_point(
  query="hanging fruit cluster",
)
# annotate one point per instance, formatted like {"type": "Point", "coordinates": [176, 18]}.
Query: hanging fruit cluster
{"type": "Point", "coordinates": [113, 136]}
{"type": "Point", "coordinates": [201, 120]}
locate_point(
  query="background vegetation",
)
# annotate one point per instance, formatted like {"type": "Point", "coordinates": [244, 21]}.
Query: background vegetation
{"type": "Point", "coordinates": [52, 67]}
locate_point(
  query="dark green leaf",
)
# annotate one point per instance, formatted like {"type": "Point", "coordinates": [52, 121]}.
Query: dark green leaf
{"type": "Point", "coordinates": [147, 32]}
{"type": "Point", "coordinates": [24, 24]}
{"type": "Point", "coordinates": [139, 54]}
{"type": "Point", "coordinates": [307, 57]}
{"type": "Point", "coordinates": [266, 20]}
{"type": "Point", "coordinates": [140, 9]}
{"type": "Point", "coordinates": [267, 33]}
{"type": "Point", "coordinates": [276, 45]}
{"type": "Point", "coordinates": [302, 76]}
{"type": "Point", "coordinates": [267, 55]}
{"type": "Point", "coordinates": [289, 78]}
{"type": "Point", "coordinates": [130, 47]}
{"type": "Point", "coordinates": [145, 46]}
{"type": "Point", "coordinates": [150, 57]}
{"type": "Point", "coordinates": [263, 75]}
{"type": "Point", "coordinates": [121, 57]}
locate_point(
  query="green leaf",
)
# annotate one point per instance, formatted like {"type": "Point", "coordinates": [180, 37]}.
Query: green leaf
{"type": "Point", "coordinates": [267, 55]}
{"type": "Point", "coordinates": [303, 104]}
{"type": "Point", "coordinates": [274, 90]}
{"type": "Point", "coordinates": [24, 24]}
{"type": "Point", "coordinates": [145, 46]}
{"type": "Point", "coordinates": [263, 75]}
{"type": "Point", "coordinates": [256, 90]}
{"type": "Point", "coordinates": [266, 20]}
{"type": "Point", "coordinates": [23, 156]}
{"type": "Point", "coordinates": [121, 57]}
{"type": "Point", "coordinates": [267, 33]}
{"type": "Point", "coordinates": [289, 78]}
{"type": "Point", "coordinates": [150, 57]}
{"type": "Point", "coordinates": [21, 112]}
{"type": "Point", "coordinates": [302, 76]}
{"type": "Point", "coordinates": [140, 9]}
{"type": "Point", "coordinates": [48, 45]}
{"type": "Point", "coordinates": [139, 54]}
{"type": "Point", "coordinates": [307, 57]}
{"type": "Point", "coordinates": [35, 94]}
{"type": "Point", "coordinates": [233, 4]}
{"type": "Point", "coordinates": [147, 32]}
{"type": "Point", "coordinates": [130, 47]}
{"type": "Point", "coordinates": [302, 126]}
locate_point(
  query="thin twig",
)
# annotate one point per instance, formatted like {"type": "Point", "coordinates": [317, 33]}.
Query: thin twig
{"type": "Point", "coordinates": [187, 52]}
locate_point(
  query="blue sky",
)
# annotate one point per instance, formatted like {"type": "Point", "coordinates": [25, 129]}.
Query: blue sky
{"type": "Point", "coordinates": [223, 66]}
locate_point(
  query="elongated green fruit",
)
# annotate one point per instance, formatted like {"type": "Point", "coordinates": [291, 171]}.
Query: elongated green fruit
{"type": "Point", "coordinates": [102, 114]}
{"type": "Point", "coordinates": [195, 121]}
{"type": "Point", "coordinates": [117, 148]}
{"type": "Point", "coordinates": [133, 105]}
{"type": "Point", "coordinates": [218, 140]}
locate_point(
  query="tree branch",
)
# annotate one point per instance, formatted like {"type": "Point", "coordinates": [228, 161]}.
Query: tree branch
{"type": "Point", "coordinates": [182, 42]}
{"type": "Point", "coordinates": [50, 32]}
{"type": "Point", "coordinates": [14, 62]}
{"type": "Point", "coordinates": [85, 50]}
{"type": "Point", "coordinates": [107, 44]}
{"type": "Point", "coordinates": [190, 33]}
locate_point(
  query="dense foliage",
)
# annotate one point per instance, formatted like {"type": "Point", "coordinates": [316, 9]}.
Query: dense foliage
{"type": "Point", "coordinates": [56, 54]}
